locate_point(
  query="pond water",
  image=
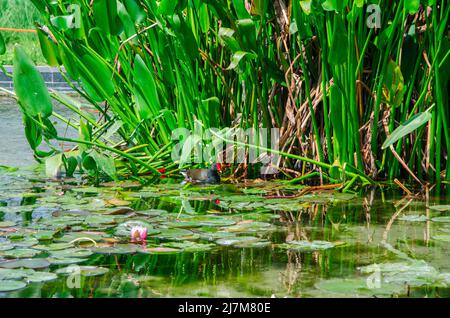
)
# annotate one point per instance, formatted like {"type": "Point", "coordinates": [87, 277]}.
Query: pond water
{"type": "Point", "coordinates": [63, 238]}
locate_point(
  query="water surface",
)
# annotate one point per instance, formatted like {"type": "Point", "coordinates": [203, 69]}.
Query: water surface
{"type": "Point", "coordinates": [64, 238]}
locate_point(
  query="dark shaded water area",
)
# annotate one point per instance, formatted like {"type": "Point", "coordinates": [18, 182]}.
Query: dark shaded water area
{"type": "Point", "coordinates": [63, 238]}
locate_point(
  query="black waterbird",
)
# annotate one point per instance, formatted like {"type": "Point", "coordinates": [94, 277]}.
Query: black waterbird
{"type": "Point", "coordinates": [208, 176]}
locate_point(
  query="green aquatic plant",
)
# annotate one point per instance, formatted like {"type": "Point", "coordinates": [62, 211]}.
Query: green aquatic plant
{"type": "Point", "coordinates": [335, 77]}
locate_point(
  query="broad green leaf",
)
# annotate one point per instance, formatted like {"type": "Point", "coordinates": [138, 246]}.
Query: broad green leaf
{"type": "Point", "coordinates": [105, 15]}
{"type": "Point", "coordinates": [97, 75]}
{"type": "Point", "coordinates": [30, 86]}
{"type": "Point", "coordinates": [338, 53]}
{"type": "Point", "coordinates": [247, 33]}
{"type": "Point", "coordinates": [48, 48]}
{"type": "Point", "coordinates": [95, 161]}
{"type": "Point", "coordinates": [135, 10]}
{"type": "Point", "coordinates": [237, 58]}
{"type": "Point", "coordinates": [334, 5]}
{"type": "Point", "coordinates": [227, 36]}
{"type": "Point", "coordinates": [144, 79]}
{"type": "Point", "coordinates": [11, 285]}
{"type": "Point", "coordinates": [408, 127]}
{"type": "Point", "coordinates": [53, 165]}
{"type": "Point", "coordinates": [203, 13]}
{"type": "Point", "coordinates": [167, 7]}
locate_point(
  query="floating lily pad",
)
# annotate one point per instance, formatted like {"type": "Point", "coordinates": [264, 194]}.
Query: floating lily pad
{"type": "Point", "coordinates": [44, 235]}
{"type": "Point", "coordinates": [94, 220]}
{"type": "Point", "coordinates": [152, 212]}
{"type": "Point", "coordinates": [176, 235]}
{"type": "Point", "coordinates": [190, 246]}
{"type": "Point", "coordinates": [20, 253]}
{"type": "Point", "coordinates": [53, 247]}
{"type": "Point", "coordinates": [440, 208]}
{"type": "Point", "coordinates": [259, 244]}
{"type": "Point", "coordinates": [11, 285]}
{"type": "Point", "coordinates": [75, 236]}
{"type": "Point", "coordinates": [182, 224]}
{"type": "Point", "coordinates": [7, 224]}
{"type": "Point", "coordinates": [71, 253]}
{"type": "Point", "coordinates": [441, 219]}
{"type": "Point", "coordinates": [159, 250]}
{"type": "Point", "coordinates": [213, 235]}
{"type": "Point", "coordinates": [357, 287]}
{"type": "Point", "coordinates": [13, 274]}
{"type": "Point", "coordinates": [27, 242]}
{"type": "Point", "coordinates": [40, 277]}
{"type": "Point", "coordinates": [6, 246]}
{"type": "Point", "coordinates": [414, 273]}
{"type": "Point", "coordinates": [413, 218]}
{"type": "Point", "coordinates": [87, 271]}
{"type": "Point", "coordinates": [232, 241]}
{"type": "Point", "coordinates": [213, 221]}
{"type": "Point", "coordinates": [307, 245]}
{"type": "Point", "coordinates": [122, 249]}
{"type": "Point", "coordinates": [442, 237]}
{"type": "Point", "coordinates": [66, 261]}
{"type": "Point", "coordinates": [250, 227]}
{"type": "Point", "coordinates": [34, 263]}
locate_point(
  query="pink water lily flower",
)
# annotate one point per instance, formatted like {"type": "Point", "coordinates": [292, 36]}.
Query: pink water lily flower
{"type": "Point", "coordinates": [138, 233]}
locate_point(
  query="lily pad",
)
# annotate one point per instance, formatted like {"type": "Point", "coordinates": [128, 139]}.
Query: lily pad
{"type": "Point", "coordinates": [20, 253]}
{"type": "Point", "coordinates": [71, 253]}
{"type": "Point", "coordinates": [7, 224]}
{"type": "Point", "coordinates": [152, 212]}
{"type": "Point", "coordinates": [213, 221]}
{"type": "Point", "coordinates": [159, 250]}
{"type": "Point", "coordinates": [13, 274]}
{"type": "Point", "coordinates": [26, 242]}
{"type": "Point", "coordinates": [357, 287]}
{"type": "Point", "coordinates": [440, 208]}
{"type": "Point", "coordinates": [441, 219]}
{"type": "Point", "coordinates": [413, 218]}
{"type": "Point", "coordinates": [11, 285]}
{"type": "Point", "coordinates": [33, 263]}
{"type": "Point", "coordinates": [176, 235]}
{"type": "Point", "coordinates": [87, 271]}
{"type": "Point", "coordinates": [250, 226]}
{"type": "Point", "coordinates": [307, 245]}
{"type": "Point", "coordinates": [6, 246]}
{"type": "Point", "coordinates": [445, 237]}
{"type": "Point", "coordinates": [232, 241]}
{"type": "Point", "coordinates": [122, 249]}
{"type": "Point", "coordinates": [66, 261]}
{"type": "Point", "coordinates": [40, 277]}
{"type": "Point", "coordinates": [53, 247]}
{"type": "Point", "coordinates": [414, 273]}
{"type": "Point", "coordinates": [190, 246]}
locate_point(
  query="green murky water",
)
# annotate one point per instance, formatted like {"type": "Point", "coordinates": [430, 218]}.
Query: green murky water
{"type": "Point", "coordinates": [66, 239]}
{"type": "Point", "coordinates": [216, 241]}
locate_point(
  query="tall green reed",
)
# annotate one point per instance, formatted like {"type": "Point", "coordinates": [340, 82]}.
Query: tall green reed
{"type": "Point", "coordinates": [334, 86]}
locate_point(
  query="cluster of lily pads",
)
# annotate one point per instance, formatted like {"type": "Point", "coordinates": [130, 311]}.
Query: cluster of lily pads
{"type": "Point", "coordinates": [57, 229]}
{"type": "Point", "coordinates": [70, 224]}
